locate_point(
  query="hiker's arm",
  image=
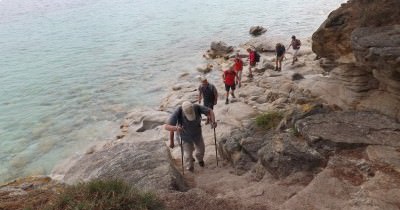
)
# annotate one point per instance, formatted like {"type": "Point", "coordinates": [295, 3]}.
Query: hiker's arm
{"type": "Point", "coordinates": [212, 118]}
{"type": "Point", "coordinates": [216, 96]}
{"type": "Point", "coordinates": [200, 96]}
{"type": "Point", "coordinates": [171, 139]}
{"type": "Point", "coordinates": [172, 128]}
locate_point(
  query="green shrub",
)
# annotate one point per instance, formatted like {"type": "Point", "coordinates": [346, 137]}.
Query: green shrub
{"type": "Point", "coordinates": [269, 120]}
{"type": "Point", "coordinates": [102, 195]}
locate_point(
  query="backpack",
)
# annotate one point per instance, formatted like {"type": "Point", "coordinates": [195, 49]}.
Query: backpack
{"type": "Point", "coordinates": [256, 56]}
{"type": "Point", "coordinates": [297, 44]}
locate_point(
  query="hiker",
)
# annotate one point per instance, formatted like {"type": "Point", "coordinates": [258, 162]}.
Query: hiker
{"type": "Point", "coordinates": [238, 69]}
{"type": "Point", "coordinates": [295, 43]}
{"type": "Point", "coordinates": [209, 93]}
{"type": "Point", "coordinates": [229, 76]}
{"type": "Point", "coordinates": [186, 120]}
{"type": "Point", "coordinates": [252, 60]}
{"type": "Point", "coordinates": [280, 54]}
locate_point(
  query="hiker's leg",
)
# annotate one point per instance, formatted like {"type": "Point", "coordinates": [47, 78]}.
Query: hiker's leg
{"type": "Point", "coordinates": [276, 63]}
{"type": "Point", "coordinates": [233, 87]}
{"type": "Point", "coordinates": [188, 149]}
{"type": "Point", "coordinates": [200, 149]}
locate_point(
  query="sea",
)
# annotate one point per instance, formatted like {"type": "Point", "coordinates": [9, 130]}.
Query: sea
{"type": "Point", "coordinates": [70, 70]}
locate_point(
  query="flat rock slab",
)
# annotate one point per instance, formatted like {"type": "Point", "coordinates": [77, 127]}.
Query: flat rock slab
{"type": "Point", "coordinates": [145, 165]}
{"type": "Point", "coordinates": [351, 128]}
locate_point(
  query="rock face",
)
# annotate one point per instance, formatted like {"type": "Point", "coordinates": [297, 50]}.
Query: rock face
{"type": "Point", "coordinates": [361, 43]}
{"type": "Point", "coordinates": [145, 165]}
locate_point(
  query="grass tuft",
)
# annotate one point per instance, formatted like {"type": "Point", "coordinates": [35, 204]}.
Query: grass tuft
{"type": "Point", "coordinates": [269, 120]}
{"type": "Point", "coordinates": [105, 194]}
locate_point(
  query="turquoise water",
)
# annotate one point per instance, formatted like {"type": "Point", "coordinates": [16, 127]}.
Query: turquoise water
{"type": "Point", "coordinates": [70, 69]}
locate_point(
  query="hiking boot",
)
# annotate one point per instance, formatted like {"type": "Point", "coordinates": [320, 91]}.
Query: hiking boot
{"type": "Point", "coordinates": [276, 68]}
{"type": "Point", "coordinates": [226, 101]}
{"type": "Point", "coordinates": [201, 163]}
{"type": "Point", "coordinates": [233, 95]}
{"type": "Point", "coordinates": [279, 69]}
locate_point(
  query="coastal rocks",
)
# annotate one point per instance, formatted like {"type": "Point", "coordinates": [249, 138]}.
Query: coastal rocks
{"type": "Point", "coordinates": [360, 44]}
{"type": "Point", "coordinates": [145, 165]}
{"type": "Point", "coordinates": [285, 154]}
{"type": "Point", "coordinates": [260, 44]}
{"type": "Point", "coordinates": [144, 119]}
{"type": "Point", "coordinates": [219, 49]}
{"type": "Point", "coordinates": [205, 69]}
{"type": "Point", "coordinates": [257, 30]}
{"type": "Point", "coordinates": [358, 128]}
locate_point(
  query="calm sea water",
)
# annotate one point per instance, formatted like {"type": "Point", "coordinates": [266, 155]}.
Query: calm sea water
{"type": "Point", "coordinates": [71, 69]}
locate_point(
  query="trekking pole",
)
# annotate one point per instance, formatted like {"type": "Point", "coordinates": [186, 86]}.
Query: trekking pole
{"type": "Point", "coordinates": [183, 168]}
{"type": "Point", "coordinates": [215, 141]}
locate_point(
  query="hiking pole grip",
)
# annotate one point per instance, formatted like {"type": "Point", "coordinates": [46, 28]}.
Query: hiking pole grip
{"type": "Point", "coordinates": [215, 141]}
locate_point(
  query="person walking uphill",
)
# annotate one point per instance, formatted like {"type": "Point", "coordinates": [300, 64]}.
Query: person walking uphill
{"type": "Point", "coordinates": [254, 57]}
{"type": "Point", "coordinates": [208, 93]}
{"type": "Point", "coordinates": [280, 54]}
{"type": "Point", "coordinates": [295, 43]}
{"type": "Point", "coordinates": [186, 120]}
{"type": "Point", "coordinates": [229, 76]}
{"type": "Point", "coordinates": [238, 69]}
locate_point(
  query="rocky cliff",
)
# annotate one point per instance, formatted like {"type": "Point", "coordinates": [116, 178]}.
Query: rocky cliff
{"type": "Point", "coordinates": [360, 47]}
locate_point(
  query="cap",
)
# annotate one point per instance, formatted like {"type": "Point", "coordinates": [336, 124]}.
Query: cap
{"type": "Point", "coordinates": [203, 79]}
{"type": "Point", "coordinates": [188, 110]}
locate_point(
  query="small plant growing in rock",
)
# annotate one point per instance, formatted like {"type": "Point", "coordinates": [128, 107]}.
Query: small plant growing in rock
{"type": "Point", "coordinates": [269, 120]}
{"type": "Point", "coordinates": [108, 194]}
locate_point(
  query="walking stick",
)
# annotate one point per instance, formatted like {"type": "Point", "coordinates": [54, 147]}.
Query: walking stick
{"type": "Point", "coordinates": [215, 140]}
{"type": "Point", "coordinates": [183, 168]}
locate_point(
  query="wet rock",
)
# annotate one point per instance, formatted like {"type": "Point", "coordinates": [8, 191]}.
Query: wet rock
{"type": "Point", "coordinates": [219, 49]}
{"type": "Point", "coordinates": [257, 30]}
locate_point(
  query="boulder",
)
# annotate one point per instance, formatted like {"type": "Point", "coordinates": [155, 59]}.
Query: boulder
{"type": "Point", "coordinates": [146, 165]}
{"type": "Point", "coordinates": [257, 30]}
{"type": "Point", "coordinates": [285, 154]}
{"type": "Point", "coordinates": [219, 49]}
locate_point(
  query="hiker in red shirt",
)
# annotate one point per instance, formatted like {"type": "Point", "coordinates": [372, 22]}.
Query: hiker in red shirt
{"type": "Point", "coordinates": [252, 60]}
{"type": "Point", "coordinates": [229, 77]}
{"type": "Point", "coordinates": [238, 67]}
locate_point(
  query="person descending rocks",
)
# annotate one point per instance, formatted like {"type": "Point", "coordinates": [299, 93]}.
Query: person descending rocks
{"type": "Point", "coordinates": [186, 121]}
{"type": "Point", "coordinates": [208, 93]}
{"type": "Point", "coordinates": [280, 54]}
{"type": "Point", "coordinates": [229, 76]}
{"type": "Point", "coordinates": [238, 67]}
{"type": "Point", "coordinates": [295, 43]}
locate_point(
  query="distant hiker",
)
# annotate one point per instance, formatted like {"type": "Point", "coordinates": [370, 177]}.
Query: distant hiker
{"type": "Point", "coordinates": [229, 76]}
{"type": "Point", "coordinates": [238, 69]}
{"type": "Point", "coordinates": [295, 43]}
{"type": "Point", "coordinates": [254, 57]}
{"type": "Point", "coordinates": [209, 93]}
{"type": "Point", "coordinates": [280, 54]}
{"type": "Point", "coordinates": [186, 120]}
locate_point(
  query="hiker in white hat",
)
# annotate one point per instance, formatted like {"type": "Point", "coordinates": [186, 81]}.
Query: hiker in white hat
{"type": "Point", "coordinates": [186, 120]}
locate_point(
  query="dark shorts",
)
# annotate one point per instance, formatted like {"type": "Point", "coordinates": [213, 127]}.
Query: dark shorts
{"type": "Point", "coordinates": [228, 87]}
{"type": "Point", "coordinates": [279, 57]}
{"type": "Point", "coordinates": [209, 105]}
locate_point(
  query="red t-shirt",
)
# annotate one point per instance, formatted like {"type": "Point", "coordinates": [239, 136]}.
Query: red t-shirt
{"type": "Point", "coordinates": [238, 64]}
{"type": "Point", "coordinates": [252, 57]}
{"type": "Point", "coordinates": [229, 77]}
